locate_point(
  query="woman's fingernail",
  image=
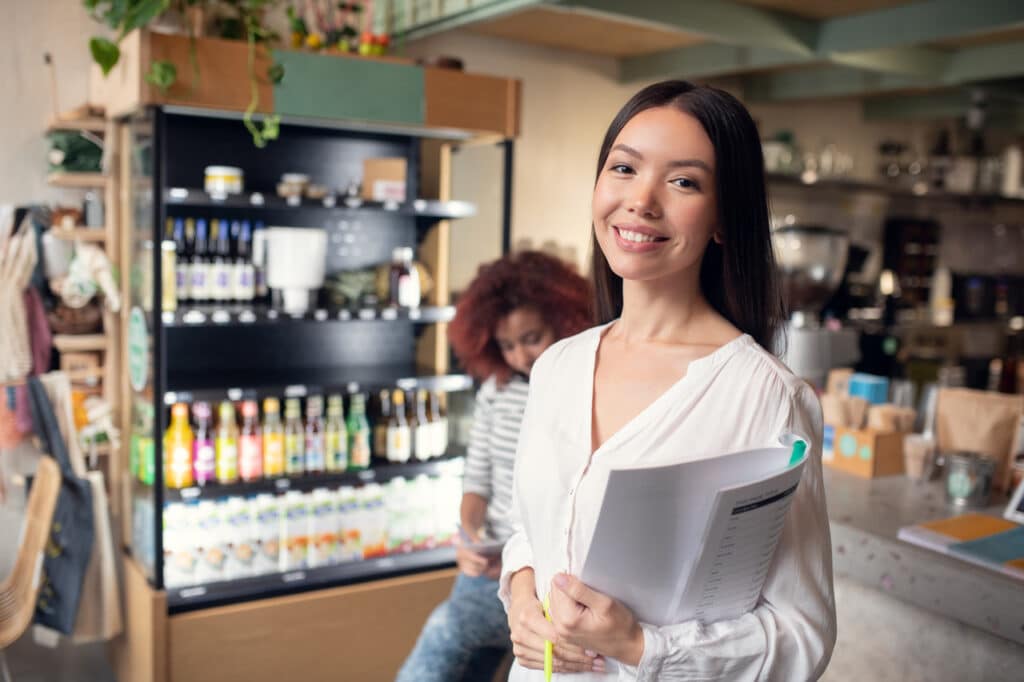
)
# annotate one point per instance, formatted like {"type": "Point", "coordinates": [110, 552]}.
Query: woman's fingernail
{"type": "Point", "coordinates": [561, 580]}
{"type": "Point", "coordinates": [590, 653]}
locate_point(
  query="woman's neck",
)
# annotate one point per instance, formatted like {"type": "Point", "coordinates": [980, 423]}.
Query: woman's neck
{"type": "Point", "coordinates": [664, 311]}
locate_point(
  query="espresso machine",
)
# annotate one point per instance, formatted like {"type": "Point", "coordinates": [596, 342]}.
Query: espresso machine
{"type": "Point", "coordinates": [811, 260]}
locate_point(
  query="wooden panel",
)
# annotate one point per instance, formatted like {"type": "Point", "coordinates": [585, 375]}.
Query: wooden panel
{"type": "Point", "coordinates": [825, 10]}
{"type": "Point", "coordinates": [120, 91]}
{"type": "Point", "coordinates": [1007, 35]}
{"type": "Point", "coordinates": [341, 87]}
{"type": "Point", "coordinates": [223, 81]}
{"type": "Point", "coordinates": [357, 632]}
{"type": "Point", "coordinates": [77, 180]}
{"type": "Point", "coordinates": [471, 102]}
{"type": "Point", "coordinates": [575, 30]}
{"type": "Point", "coordinates": [79, 342]}
{"type": "Point", "coordinates": [140, 654]}
{"type": "Point", "coordinates": [435, 251]}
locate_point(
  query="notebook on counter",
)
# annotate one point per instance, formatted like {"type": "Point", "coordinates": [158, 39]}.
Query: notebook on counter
{"type": "Point", "coordinates": [987, 541]}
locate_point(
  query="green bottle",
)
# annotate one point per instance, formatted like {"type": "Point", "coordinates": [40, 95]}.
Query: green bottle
{"type": "Point", "coordinates": [358, 433]}
{"type": "Point", "coordinates": [335, 435]}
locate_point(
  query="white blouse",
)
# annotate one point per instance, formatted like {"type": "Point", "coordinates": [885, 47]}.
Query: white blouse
{"type": "Point", "coordinates": [738, 397]}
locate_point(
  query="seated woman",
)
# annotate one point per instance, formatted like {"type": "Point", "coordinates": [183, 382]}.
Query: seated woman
{"type": "Point", "coordinates": [511, 312]}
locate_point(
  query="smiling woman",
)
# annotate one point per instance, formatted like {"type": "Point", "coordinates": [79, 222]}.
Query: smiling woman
{"type": "Point", "coordinates": [680, 370]}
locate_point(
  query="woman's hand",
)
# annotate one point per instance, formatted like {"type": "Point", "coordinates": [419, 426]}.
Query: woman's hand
{"type": "Point", "coordinates": [595, 621]}
{"type": "Point", "coordinates": [469, 562]}
{"type": "Point", "coordinates": [530, 629]}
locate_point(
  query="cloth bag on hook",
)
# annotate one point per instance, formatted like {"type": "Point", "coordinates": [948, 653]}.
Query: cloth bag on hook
{"type": "Point", "coordinates": [69, 549]}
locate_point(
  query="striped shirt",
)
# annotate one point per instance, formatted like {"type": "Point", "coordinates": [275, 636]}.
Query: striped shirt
{"type": "Point", "coordinates": [497, 416]}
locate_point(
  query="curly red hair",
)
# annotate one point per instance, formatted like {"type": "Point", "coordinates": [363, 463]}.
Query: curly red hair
{"type": "Point", "coordinates": [528, 279]}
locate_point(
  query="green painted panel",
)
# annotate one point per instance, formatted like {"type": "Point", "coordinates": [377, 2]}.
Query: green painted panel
{"type": "Point", "coordinates": [706, 61]}
{"type": "Point", "coordinates": [817, 83]}
{"type": "Point", "coordinates": [322, 86]}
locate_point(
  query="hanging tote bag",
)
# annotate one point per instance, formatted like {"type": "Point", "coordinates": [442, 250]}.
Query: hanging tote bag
{"type": "Point", "coordinates": [69, 547]}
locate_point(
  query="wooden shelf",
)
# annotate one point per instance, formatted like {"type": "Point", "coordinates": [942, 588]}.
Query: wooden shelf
{"type": "Point", "coordinates": [66, 343]}
{"type": "Point", "coordinates": [78, 180]}
{"type": "Point", "coordinates": [81, 234]}
{"type": "Point", "coordinates": [92, 124]}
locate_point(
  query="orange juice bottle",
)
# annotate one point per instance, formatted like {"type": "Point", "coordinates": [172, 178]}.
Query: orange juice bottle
{"type": "Point", "coordinates": [226, 444]}
{"type": "Point", "coordinates": [178, 449]}
{"type": "Point", "coordinates": [273, 439]}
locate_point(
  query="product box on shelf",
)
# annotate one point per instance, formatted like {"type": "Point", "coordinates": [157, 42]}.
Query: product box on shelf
{"type": "Point", "coordinates": [865, 452]}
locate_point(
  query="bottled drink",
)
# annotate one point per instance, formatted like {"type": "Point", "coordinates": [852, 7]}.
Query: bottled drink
{"type": "Point", "coordinates": [315, 456]}
{"type": "Point", "coordinates": [403, 280]}
{"type": "Point", "coordinates": [423, 431]}
{"type": "Point", "coordinates": [439, 421]}
{"type": "Point", "coordinates": [380, 427]}
{"type": "Point", "coordinates": [182, 268]}
{"type": "Point", "coordinates": [221, 269]}
{"type": "Point", "coordinates": [399, 441]}
{"type": "Point", "coordinates": [199, 266]}
{"type": "Point", "coordinates": [178, 449]}
{"type": "Point", "coordinates": [250, 443]}
{"type": "Point", "coordinates": [273, 439]}
{"type": "Point", "coordinates": [243, 276]}
{"type": "Point", "coordinates": [259, 262]}
{"type": "Point", "coordinates": [335, 435]}
{"type": "Point", "coordinates": [294, 436]}
{"type": "Point", "coordinates": [358, 428]}
{"type": "Point", "coordinates": [204, 459]}
{"type": "Point", "coordinates": [226, 443]}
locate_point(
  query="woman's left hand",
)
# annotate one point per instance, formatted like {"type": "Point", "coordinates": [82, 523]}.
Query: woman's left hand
{"type": "Point", "coordinates": [594, 621]}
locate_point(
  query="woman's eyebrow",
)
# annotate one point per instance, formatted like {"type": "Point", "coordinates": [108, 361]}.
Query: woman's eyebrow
{"type": "Point", "coordinates": [681, 163]}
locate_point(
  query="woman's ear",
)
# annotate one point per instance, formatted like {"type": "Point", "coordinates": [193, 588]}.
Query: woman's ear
{"type": "Point", "coordinates": [717, 236]}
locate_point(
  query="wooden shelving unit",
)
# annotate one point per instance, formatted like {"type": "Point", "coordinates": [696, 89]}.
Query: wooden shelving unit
{"type": "Point", "coordinates": [78, 180]}
{"type": "Point", "coordinates": [107, 343]}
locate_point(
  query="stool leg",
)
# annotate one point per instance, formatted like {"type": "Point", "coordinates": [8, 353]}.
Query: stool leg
{"type": "Point", "coordinates": [5, 673]}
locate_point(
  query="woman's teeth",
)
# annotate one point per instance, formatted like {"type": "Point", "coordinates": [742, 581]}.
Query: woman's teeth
{"type": "Point", "coordinates": [636, 236]}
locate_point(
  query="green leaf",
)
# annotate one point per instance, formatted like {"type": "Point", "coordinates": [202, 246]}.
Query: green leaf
{"type": "Point", "coordinates": [276, 73]}
{"type": "Point", "coordinates": [104, 53]}
{"type": "Point", "coordinates": [141, 13]}
{"type": "Point", "coordinates": [162, 74]}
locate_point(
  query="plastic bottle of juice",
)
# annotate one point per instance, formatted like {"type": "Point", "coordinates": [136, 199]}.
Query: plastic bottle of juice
{"type": "Point", "coordinates": [380, 428]}
{"type": "Point", "coordinates": [250, 443]}
{"type": "Point", "coordinates": [204, 458]}
{"type": "Point", "coordinates": [335, 435]}
{"type": "Point", "coordinates": [178, 449]}
{"type": "Point", "coordinates": [273, 439]}
{"type": "Point", "coordinates": [423, 433]}
{"type": "Point", "coordinates": [315, 435]}
{"type": "Point", "coordinates": [399, 436]}
{"type": "Point", "coordinates": [294, 445]}
{"type": "Point", "coordinates": [358, 428]}
{"type": "Point", "coordinates": [226, 443]}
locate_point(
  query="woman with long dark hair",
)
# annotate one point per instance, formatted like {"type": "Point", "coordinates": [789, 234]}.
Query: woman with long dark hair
{"type": "Point", "coordinates": [509, 314]}
{"type": "Point", "coordinates": [680, 369]}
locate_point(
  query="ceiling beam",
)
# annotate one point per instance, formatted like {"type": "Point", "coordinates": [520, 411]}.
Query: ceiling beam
{"type": "Point", "coordinates": [446, 21]}
{"type": "Point", "coordinates": [988, 62]}
{"type": "Point", "coordinates": [706, 61]}
{"type": "Point", "coordinates": [826, 82]}
{"type": "Point", "coordinates": [917, 24]}
{"type": "Point", "coordinates": [908, 61]}
{"type": "Point", "coordinates": [720, 21]}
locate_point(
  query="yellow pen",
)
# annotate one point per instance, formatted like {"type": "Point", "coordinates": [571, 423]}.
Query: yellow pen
{"type": "Point", "coordinates": [549, 648]}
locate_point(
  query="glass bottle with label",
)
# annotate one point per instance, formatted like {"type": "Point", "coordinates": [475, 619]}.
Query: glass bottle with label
{"type": "Point", "coordinates": [380, 427]}
{"type": "Point", "coordinates": [273, 439]}
{"type": "Point", "coordinates": [243, 275]}
{"type": "Point", "coordinates": [294, 439]}
{"type": "Point", "coordinates": [178, 449]}
{"type": "Point", "coordinates": [423, 435]}
{"type": "Point", "coordinates": [250, 443]}
{"type": "Point", "coordinates": [439, 421]}
{"type": "Point", "coordinates": [204, 458]}
{"type": "Point", "coordinates": [315, 434]}
{"type": "Point", "coordinates": [414, 423]}
{"type": "Point", "coordinates": [403, 280]}
{"type": "Point", "coordinates": [335, 435]}
{"type": "Point", "coordinates": [181, 261]}
{"type": "Point", "coordinates": [221, 270]}
{"type": "Point", "coordinates": [399, 441]}
{"type": "Point", "coordinates": [358, 428]}
{"type": "Point", "coordinates": [226, 443]}
{"type": "Point", "coordinates": [199, 265]}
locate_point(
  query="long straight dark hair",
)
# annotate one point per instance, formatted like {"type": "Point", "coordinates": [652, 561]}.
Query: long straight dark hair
{"type": "Point", "coordinates": [737, 277]}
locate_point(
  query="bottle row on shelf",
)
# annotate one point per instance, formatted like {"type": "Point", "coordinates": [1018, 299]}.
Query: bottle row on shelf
{"type": "Point", "coordinates": [199, 451]}
{"type": "Point", "coordinates": [245, 536]}
{"type": "Point", "coordinates": [215, 261]}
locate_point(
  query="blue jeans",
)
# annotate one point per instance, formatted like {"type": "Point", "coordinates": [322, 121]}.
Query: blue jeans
{"type": "Point", "coordinates": [463, 639]}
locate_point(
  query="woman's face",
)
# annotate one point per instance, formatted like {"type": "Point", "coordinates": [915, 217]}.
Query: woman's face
{"type": "Point", "coordinates": [522, 336]}
{"type": "Point", "coordinates": [654, 205]}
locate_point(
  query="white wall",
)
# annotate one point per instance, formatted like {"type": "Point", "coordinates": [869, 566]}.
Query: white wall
{"type": "Point", "coordinates": [28, 29]}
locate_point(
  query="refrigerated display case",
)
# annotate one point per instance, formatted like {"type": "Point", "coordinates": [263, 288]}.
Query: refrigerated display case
{"type": "Point", "coordinates": [205, 549]}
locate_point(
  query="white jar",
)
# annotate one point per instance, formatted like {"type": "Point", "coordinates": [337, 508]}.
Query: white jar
{"type": "Point", "coordinates": [223, 180]}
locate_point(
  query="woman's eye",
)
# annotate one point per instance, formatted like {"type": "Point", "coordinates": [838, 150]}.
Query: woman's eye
{"type": "Point", "coordinates": [686, 183]}
{"type": "Point", "coordinates": [620, 168]}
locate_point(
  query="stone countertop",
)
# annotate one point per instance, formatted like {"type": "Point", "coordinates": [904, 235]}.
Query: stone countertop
{"type": "Point", "coordinates": [866, 516]}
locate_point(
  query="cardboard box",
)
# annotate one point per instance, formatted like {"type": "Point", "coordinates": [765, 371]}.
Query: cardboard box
{"type": "Point", "coordinates": [384, 179]}
{"type": "Point", "coordinates": [866, 453]}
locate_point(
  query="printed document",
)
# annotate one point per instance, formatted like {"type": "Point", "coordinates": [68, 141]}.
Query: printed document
{"type": "Point", "coordinates": [692, 540]}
